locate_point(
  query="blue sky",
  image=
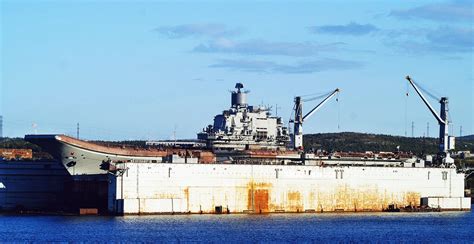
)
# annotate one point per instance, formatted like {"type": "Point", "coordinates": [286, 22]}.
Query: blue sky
{"type": "Point", "coordinates": [141, 70]}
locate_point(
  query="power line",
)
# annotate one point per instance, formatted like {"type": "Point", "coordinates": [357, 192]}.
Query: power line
{"type": "Point", "coordinates": [315, 98]}
{"type": "Point", "coordinates": [429, 92]}
{"type": "Point", "coordinates": [70, 129]}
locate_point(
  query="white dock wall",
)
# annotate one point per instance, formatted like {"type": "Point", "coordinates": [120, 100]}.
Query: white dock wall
{"type": "Point", "coordinates": [210, 188]}
{"type": "Point", "coordinates": [453, 203]}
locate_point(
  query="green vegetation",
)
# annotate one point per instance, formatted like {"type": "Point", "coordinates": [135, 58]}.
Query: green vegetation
{"type": "Point", "coordinates": [345, 141]}
{"type": "Point", "coordinates": [18, 143]}
{"type": "Point", "coordinates": [360, 142]}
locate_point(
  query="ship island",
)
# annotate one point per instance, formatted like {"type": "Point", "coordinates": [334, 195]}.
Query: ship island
{"type": "Point", "coordinates": [246, 161]}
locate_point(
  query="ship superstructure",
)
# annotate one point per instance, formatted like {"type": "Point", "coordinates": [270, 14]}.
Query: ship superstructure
{"type": "Point", "coordinates": [245, 127]}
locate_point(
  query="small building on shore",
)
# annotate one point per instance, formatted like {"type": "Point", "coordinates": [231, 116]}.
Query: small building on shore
{"type": "Point", "coordinates": [11, 153]}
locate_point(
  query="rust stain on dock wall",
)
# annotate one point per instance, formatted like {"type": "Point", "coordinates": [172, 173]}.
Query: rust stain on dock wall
{"type": "Point", "coordinates": [266, 194]}
{"type": "Point", "coordinates": [294, 201]}
{"type": "Point", "coordinates": [186, 195]}
{"type": "Point", "coordinates": [261, 200]}
{"type": "Point", "coordinates": [412, 199]}
{"type": "Point", "coordinates": [258, 196]}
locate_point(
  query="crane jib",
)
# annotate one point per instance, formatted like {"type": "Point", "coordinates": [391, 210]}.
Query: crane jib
{"type": "Point", "coordinates": [438, 118]}
{"type": "Point", "coordinates": [320, 104]}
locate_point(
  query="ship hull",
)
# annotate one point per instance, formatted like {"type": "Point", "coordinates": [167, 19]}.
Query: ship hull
{"type": "Point", "coordinates": [32, 186]}
{"type": "Point", "coordinates": [82, 158]}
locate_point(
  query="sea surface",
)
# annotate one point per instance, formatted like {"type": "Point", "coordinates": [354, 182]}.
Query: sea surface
{"type": "Point", "coordinates": [442, 227]}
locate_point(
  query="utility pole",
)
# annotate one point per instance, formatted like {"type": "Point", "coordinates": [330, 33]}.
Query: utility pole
{"type": "Point", "coordinates": [174, 134]}
{"type": "Point", "coordinates": [428, 129]}
{"type": "Point", "coordinates": [413, 129]}
{"type": "Point", "coordinates": [460, 131]}
{"type": "Point", "coordinates": [77, 131]}
{"type": "Point", "coordinates": [34, 126]}
{"type": "Point", "coordinates": [276, 110]}
{"type": "Point", "coordinates": [1, 126]}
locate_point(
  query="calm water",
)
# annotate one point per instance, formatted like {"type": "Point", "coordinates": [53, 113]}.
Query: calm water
{"type": "Point", "coordinates": [376, 227]}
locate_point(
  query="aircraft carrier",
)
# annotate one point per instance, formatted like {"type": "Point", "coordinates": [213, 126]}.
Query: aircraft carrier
{"type": "Point", "coordinates": [247, 161]}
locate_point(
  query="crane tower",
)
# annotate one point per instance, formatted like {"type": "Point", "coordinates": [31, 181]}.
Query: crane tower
{"type": "Point", "coordinates": [299, 118]}
{"type": "Point", "coordinates": [446, 142]}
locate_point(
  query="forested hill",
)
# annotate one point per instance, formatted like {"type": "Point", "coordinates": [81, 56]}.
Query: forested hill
{"type": "Point", "coordinates": [344, 141]}
{"type": "Point", "coordinates": [466, 138]}
{"type": "Point", "coordinates": [360, 142]}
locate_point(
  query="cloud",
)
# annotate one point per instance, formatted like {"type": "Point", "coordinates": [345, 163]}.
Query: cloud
{"type": "Point", "coordinates": [260, 47]}
{"type": "Point", "coordinates": [441, 40]}
{"type": "Point", "coordinates": [298, 68]}
{"type": "Point", "coordinates": [352, 28]}
{"type": "Point", "coordinates": [245, 65]}
{"type": "Point", "coordinates": [196, 30]}
{"type": "Point", "coordinates": [457, 38]}
{"type": "Point", "coordinates": [449, 11]}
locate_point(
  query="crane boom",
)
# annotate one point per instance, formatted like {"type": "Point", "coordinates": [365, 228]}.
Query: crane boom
{"type": "Point", "coordinates": [446, 142]}
{"type": "Point", "coordinates": [438, 118]}
{"type": "Point", "coordinates": [299, 118]}
{"type": "Point", "coordinates": [320, 104]}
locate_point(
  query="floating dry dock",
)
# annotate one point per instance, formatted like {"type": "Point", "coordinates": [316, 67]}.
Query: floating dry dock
{"type": "Point", "coordinates": [248, 164]}
{"type": "Point", "coordinates": [192, 188]}
{"type": "Point", "coordinates": [136, 184]}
